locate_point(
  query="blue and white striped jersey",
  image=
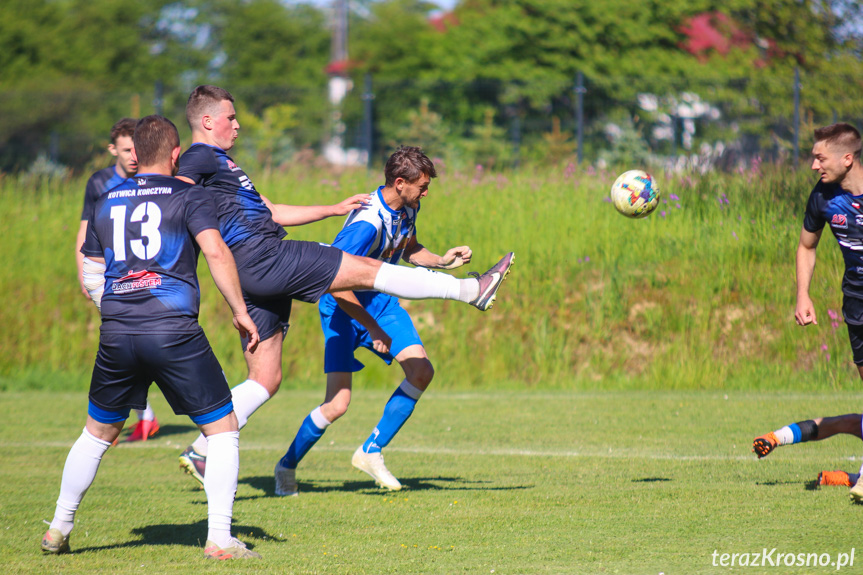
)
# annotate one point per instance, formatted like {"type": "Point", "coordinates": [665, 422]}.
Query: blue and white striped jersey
{"type": "Point", "coordinates": [379, 232]}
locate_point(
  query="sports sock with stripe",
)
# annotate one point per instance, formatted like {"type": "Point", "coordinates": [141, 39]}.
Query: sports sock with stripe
{"type": "Point", "coordinates": [311, 430]}
{"type": "Point", "coordinates": [799, 432]}
{"type": "Point", "coordinates": [396, 412]}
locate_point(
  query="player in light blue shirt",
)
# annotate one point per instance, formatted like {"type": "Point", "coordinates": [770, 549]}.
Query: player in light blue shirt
{"type": "Point", "coordinates": [384, 230]}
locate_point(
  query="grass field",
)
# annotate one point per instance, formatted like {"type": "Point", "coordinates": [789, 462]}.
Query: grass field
{"type": "Point", "coordinates": [496, 482]}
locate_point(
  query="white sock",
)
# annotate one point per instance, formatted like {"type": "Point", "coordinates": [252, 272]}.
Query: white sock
{"type": "Point", "coordinates": [422, 283]}
{"type": "Point", "coordinates": [411, 390]}
{"type": "Point", "coordinates": [220, 484]}
{"type": "Point", "coordinates": [784, 435]}
{"type": "Point", "coordinates": [146, 414]}
{"type": "Point", "coordinates": [82, 463]}
{"type": "Point", "coordinates": [319, 419]}
{"type": "Point", "coordinates": [247, 398]}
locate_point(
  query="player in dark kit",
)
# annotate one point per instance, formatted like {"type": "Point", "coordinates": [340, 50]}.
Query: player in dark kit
{"type": "Point", "coordinates": [121, 147]}
{"type": "Point", "coordinates": [837, 202]}
{"type": "Point", "coordinates": [274, 272]}
{"type": "Point", "coordinates": [141, 255]}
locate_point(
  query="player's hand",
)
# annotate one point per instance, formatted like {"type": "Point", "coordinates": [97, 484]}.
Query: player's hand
{"type": "Point", "coordinates": [805, 312]}
{"type": "Point", "coordinates": [353, 203]}
{"type": "Point", "coordinates": [455, 257]}
{"type": "Point", "coordinates": [248, 330]}
{"type": "Point", "coordinates": [381, 342]}
{"type": "Point", "coordinates": [84, 291]}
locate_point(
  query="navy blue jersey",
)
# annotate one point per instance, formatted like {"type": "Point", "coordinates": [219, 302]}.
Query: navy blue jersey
{"type": "Point", "coordinates": [97, 184]}
{"type": "Point", "coordinates": [245, 222]}
{"type": "Point", "coordinates": [145, 229]}
{"type": "Point", "coordinates": [843, 212]}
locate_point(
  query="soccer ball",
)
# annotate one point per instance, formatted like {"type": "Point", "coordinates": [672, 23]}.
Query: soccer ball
{"type": "Point", "coordinates": [635, 194]}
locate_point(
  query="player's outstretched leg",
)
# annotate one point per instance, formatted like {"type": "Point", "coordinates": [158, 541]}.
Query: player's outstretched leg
{"type": "Point", "coordinates": [763, 445]}
{"type": "Point", "coordinates": [839, 478]}
{"type": "Point", "coordinates": [402, 282]}
{"type": "Point", "coordinates": [799, 432]}
{"type": "Point", "coordinates": [490, 282]}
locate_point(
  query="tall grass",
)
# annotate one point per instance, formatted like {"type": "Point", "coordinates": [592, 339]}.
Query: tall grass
{"type": "Point", "coordinates": [698, 295]}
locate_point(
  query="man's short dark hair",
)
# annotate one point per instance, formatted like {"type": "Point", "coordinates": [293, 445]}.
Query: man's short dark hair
{"type": "Point", "coordinates": [843, 136]}
{"type": "Point", "coordinates": [408, 163]}
{"type": "Point", "coordinates": [205, 100]}
{"type": "Point", "coordinates": [155, 138]}
{"type": "Point", "coordinates": [123, 127]}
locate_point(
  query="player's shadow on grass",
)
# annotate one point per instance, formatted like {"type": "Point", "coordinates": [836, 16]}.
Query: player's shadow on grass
{"type": "Point", "coordinates": [267, 485]}
{"type": "Point", "coordinates": [192, 535]}
{"type": "Point", "coordinates": [651, 480]}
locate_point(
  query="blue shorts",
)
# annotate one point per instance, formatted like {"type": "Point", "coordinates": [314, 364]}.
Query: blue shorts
{"type": "Point", "coordinates": [182, 365]}
{"type": "Point", "coordinates": [290, 270]}
{"type": "Point", "coordinates": [344, 335]}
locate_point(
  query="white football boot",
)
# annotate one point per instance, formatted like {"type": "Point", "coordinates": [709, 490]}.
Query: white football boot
{"type": "Point", "coordinates": [373, 464]}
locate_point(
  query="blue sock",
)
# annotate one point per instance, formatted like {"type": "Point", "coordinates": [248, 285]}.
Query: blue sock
{"type": "Point", "coordinates": [313, 427]}
{"type": "Point", "coordinates": [396, 412]}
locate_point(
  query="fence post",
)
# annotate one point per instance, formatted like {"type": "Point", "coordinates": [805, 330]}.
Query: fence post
{"type": "Point", "coordinates": [368, 130]}
{"type": "Point", "coordinates": [579, 113]}
{"type": "Point", "coordinates": [796, 116]}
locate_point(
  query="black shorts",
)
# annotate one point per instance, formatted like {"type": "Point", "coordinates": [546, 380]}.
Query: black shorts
{"type": "Point", "coordinates": [182, 365]}
{"type": "Point", "coordinates": [852, 311]}
{"type": "Point", "coordinates": [291, 270]}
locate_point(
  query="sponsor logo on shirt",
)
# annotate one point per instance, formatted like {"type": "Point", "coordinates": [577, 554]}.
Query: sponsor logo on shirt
{"type": "Point", "coordinates": [839, 221]}
{"type": "Point", "coordinates": [141, 181]}
{"type": "Point", "coordinates": [855, 205]}
{"type": "Point", "coordinates": [859, 219]}
{"type": "Point", "coordinates": [136, 281]}
{"type": "Point", "coordinates": [232, 166]}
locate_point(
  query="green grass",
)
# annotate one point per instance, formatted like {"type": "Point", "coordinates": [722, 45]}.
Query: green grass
{"type": "Point", "coordinates": [497, 482]}
{"type": "Point", "coordinates": [699, 296]}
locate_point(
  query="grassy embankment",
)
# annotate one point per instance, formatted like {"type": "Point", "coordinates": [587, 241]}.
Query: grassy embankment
{"type": "Point", "coordinates": [700, 295]}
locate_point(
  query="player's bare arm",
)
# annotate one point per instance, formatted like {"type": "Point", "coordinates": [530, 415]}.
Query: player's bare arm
{"type": "Point", "coordinates": [349, 303]}
{"type": "Point", "coordinates": [79, 257]}
{"type": "Point", "coordinates": [224, 272]}
{"type": "Point", "coordinates": [288, 215]}
{"type": "Point", "coordinates": [805, 312]}
{"type": "Point", "coordinates": [417, 254]}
